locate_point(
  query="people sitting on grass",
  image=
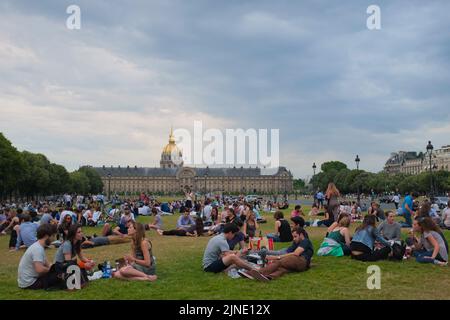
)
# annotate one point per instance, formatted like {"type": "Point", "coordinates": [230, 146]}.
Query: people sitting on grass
{"type": "Point", "coordinates": [328, 219]}
{"type": "Point", "coordinates": [407, 210]}
{"type": "Point", "coordinates": [239, 237]}
{"type": "Point", "coordinates": [282, 229]}
{"type": "Point", "coordinates": [141, 262]}
{"type": "Point", "coordinates": [185, 221]}
{"type": "Point", "coordinates": [296, 259]}
{"type": "Point", "coordinates": [34, 268]}
{"type": "Point", "coordinates": [363, 242]}
{"type": "Point", "coordinates": [298, 222]}
{"type": "Point", "coordinates": [356, 213]}
{"type": "Point", "coordinates": [337, 241]}
{"type": "Point", "coordinates": [70, 250]}
{"type": "Point", "coordinates": [195, 230]}
{"type": "Point", "coordinates": [157, 221]}
{"type": "Point", "coordinates": [26, 232]}
{"type": "Point", "coordinates": [431, 247]}
{"type": "Point", "coordinates": [250, 225]}
{"type": "Point", "coordinates": [390, 229]}
{"type": "Point", "coordinates": [376, 210]}
{"type": "Point", "coordinates": [445, 221]}
{"type": "Point", "coordinates": [297, 211]}
{"type": "Point", "coordinates": [218, 256]}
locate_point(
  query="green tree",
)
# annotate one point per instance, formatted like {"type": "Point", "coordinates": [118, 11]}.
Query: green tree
{"type": "Point", "coordinates": [333, 165]}
{"type": "Point", "coordinates": [12, 167]}
{"type": "Point", "coordinates": [95, 181]}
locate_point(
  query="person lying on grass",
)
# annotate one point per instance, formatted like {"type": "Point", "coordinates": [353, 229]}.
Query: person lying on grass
{"type": "Point", "coordinates": [141, 262]}
{"type": "Point", "coordinates": [296, 259]}
{"type": "Point", "coordinates": [91, 242]}
{"type": "Point", "coordinates": [218, 257]}
{"type": "Point", "coordinates": [431, 247]}
{"type": "Point", "coordinates": [34, 268]}
{"type": "Point", "coordinates": [195, 230]}
{"type": "Point", "coordinates": [363, 242]}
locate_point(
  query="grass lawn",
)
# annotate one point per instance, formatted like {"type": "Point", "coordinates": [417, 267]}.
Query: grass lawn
{"type": "Point", "coordinates": [180, 275]}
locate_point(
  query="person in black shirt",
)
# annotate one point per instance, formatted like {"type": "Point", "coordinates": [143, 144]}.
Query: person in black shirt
{"type": "Point", "coordinates": [296, 259]}
{"type": "Point", "coordinates": [283, 231]}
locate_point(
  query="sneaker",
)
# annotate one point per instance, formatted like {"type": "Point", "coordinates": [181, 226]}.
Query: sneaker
{"type": "Point", "coordinates": [243, 273]}
{"type": "Point", "coordinates": [233, 273]}
{"type": "Point", "coordinates": [258, 276]}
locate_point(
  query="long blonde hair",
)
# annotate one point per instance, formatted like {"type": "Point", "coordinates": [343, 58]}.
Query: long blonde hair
{"type": "Point", "coordinates": [332, 190]}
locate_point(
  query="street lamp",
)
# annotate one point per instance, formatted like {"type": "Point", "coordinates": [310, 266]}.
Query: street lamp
{"type": "Point", "coordinates": [357, 160]}
{"type": "Point", "coordinates": [430, 151]}
{"type": "Point", "coordinates": [109, 186]}
{"type": "Point", "coordinates": [206, 176]}
{"type": "Point", "coordinates": [314, 168]}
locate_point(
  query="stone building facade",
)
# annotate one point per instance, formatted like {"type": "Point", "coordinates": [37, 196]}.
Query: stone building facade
{"type": "Point", "coordinates": [173, 177]}
{"type": "Point", "coordinates": [414, 163]}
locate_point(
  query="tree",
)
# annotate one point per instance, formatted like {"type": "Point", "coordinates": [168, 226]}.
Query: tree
{"type": "Point", "coordinates": [333, 165]}
{"type": "Point", "coordinates": [79, 182]}
{"type": "Point", "coordinates": [12, 167]}
{"type": "Point", "coordinates": [95, 181]}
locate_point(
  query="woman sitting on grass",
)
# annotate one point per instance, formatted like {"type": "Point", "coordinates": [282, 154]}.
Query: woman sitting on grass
{"type": "Point", "coordinates": [141, 263]}
{"type": "Point", "coordinates": [337, 241]}
{"type": "Point", "coordinates": [282, 229]}
{"type": "Point", "coordinates": [70, 249]}
{"type": "Point", "coordinates": [250, 225]}
{"type": "Point", "coordinates": [194, 230]}
{"type": "Point", "coordinates": [362, 245]}
{"type": "Point", "coordinates": [431, 247]}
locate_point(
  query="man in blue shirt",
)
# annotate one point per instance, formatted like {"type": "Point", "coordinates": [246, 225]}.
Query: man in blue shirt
{"type": "Point", "coordinates": [26, 233]}
{"type": "Point", "coordinates": [407, 209]}
{"type": "Point", "coordinates": [185, 220]}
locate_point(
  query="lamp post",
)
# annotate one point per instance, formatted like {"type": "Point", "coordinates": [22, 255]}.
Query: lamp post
{"type": "Point", "coordinates": [109, 186]}
{"type": "Point", "coordinates": [430, 151]}
{"type": "Point", "coordinates": [357, 160]}
{"type": "Point", "coordinates": [206, 177]}
{"type": "Point", "coordinates": [314, 168]}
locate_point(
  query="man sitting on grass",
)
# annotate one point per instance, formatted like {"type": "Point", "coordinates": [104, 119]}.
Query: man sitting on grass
{"type": "Point", "coordinates": [218, 256]}
{"type": "Point", "coordinates": [296, 259]}
{"type": "Point", "coordinates": [34, 267]}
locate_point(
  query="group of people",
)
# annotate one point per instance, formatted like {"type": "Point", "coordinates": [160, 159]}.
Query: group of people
{"type": "Point", "coordinates": [231, 223]}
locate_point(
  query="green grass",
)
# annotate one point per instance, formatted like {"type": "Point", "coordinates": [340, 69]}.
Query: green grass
{"type": "Point", "coordinates": [179, 268]}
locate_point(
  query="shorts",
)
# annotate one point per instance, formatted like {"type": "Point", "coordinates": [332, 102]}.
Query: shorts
{"type": "Point", "coordinates": [216, 267]}
{"type": "Point", "coordinates": [147, 270]}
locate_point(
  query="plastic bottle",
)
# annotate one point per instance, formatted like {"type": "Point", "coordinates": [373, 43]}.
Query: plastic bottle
{"type": "Point", "coordinates": [108, 270]}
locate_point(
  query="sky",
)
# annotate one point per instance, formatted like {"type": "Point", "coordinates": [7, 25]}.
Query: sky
{"type": "Point", "coordinates": [107, 94]}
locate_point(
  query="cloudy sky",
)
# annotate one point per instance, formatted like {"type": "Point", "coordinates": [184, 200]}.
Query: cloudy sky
{"type": "Point", "coordinates": [107, 94]}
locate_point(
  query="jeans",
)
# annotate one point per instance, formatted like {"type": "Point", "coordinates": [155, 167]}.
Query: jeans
{"type": "Point", "coordinates": [275, 237]}
{"type": "Point", "coordinates": [408, 221]}
{"type": "Point", "coordinates": [424, 256]}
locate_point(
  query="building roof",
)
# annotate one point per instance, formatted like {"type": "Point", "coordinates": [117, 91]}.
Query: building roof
{"type": "Point", "coordinates": [171, 172]}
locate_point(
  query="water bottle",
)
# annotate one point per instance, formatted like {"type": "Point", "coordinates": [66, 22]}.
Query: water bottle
{"type": "Point", "coordinates": [108, 270]}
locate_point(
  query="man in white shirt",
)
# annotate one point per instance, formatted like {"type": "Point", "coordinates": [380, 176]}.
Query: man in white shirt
{"type": "Point", "coordinates": [144, 210]}
{"type": "Point", "coordinates": [396, 200]}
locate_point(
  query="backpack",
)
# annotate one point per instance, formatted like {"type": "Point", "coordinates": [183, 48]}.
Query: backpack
{"type": "Point", "coordinates": [398, 250]}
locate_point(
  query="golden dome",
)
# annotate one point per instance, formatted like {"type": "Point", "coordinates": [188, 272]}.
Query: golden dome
{"type": "Point", "coordinates": [171, 147]}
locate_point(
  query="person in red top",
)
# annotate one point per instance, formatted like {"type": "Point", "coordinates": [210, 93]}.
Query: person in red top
{"type": "Point", "coordinates": [297, 212]}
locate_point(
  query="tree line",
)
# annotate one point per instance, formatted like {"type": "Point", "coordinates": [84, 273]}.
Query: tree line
{"type": "Point", "coordinates": [30, 175]}
{"type": "Point", "coordinates": [348, 181]}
